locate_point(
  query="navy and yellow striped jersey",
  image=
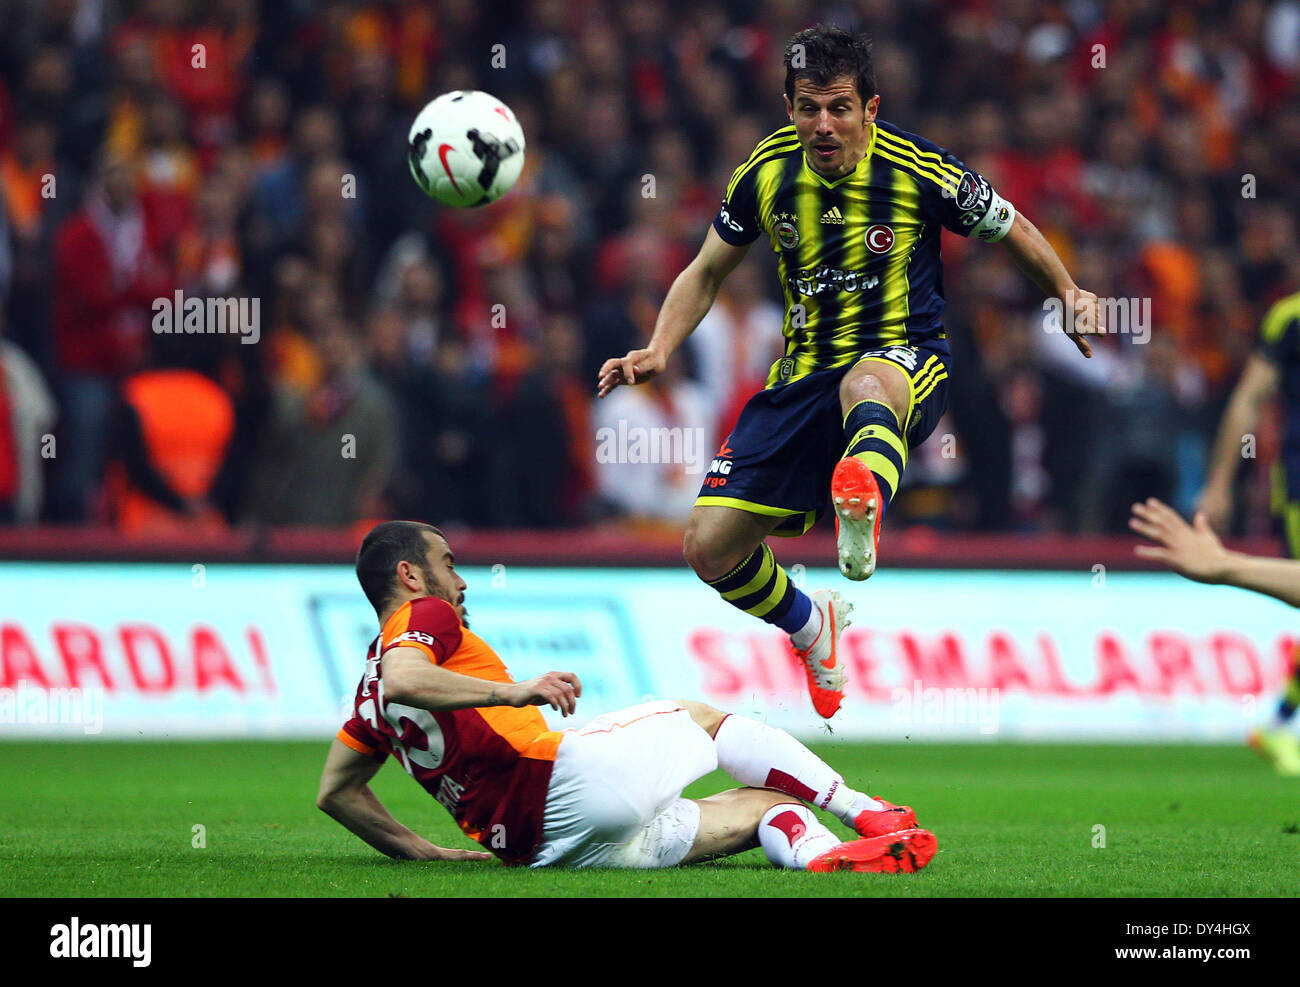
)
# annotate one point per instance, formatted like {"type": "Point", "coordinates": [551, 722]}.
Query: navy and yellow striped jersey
{"type": "Point", "coordinates": [859, 256]}
{"type": "Point", "coordinates": [1279, 343]}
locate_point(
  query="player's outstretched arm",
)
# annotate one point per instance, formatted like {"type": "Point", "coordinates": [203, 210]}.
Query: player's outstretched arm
{"type": "Point", "coordinates": [1258, 382]}
{"type": "Point", "coordinates": [411, 678]}
{"type": "Point", "coordinates": [1194, 550]}
{"type": "Point", "coordinates": [345, 796]}
{"type": "Point", "coordinates": [688, 301]}
{"type": "Point", "coordinates": [1036, 258]}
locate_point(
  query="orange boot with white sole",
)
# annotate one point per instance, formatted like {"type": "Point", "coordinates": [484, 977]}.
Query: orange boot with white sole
{"type": "Point", "coordinates": [858, 509]}
{"type": "Point", "coordinates": [821, 661]}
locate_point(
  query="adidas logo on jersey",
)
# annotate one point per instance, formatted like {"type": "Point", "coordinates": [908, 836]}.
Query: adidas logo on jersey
{"type": "Point", "coordinates": [833, 215]}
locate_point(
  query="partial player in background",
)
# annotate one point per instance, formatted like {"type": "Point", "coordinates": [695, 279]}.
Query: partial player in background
{"type": "Point", "coordinates": [436, 696]}
{"type": "Point", "coordinates": [1274, 364]}
{"type": "Point", "coordinates": [854, 208]}
{"type": "Point", "coordinates": [1194, 550]}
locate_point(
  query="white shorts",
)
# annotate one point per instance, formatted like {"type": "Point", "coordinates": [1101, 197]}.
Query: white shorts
{"type": "Point", "coordinates": [615, 793]}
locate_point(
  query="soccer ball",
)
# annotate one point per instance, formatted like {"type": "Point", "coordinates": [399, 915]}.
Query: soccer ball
{"type": "Point", "coordinates": [466, 149]}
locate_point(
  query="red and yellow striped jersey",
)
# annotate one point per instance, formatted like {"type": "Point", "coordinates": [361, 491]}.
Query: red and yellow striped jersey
{"type": "Point", "coordinates": [490, 767]}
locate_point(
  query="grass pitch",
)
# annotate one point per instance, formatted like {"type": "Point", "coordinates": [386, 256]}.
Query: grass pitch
{"type": "Point", "coordinates": [117, 819]}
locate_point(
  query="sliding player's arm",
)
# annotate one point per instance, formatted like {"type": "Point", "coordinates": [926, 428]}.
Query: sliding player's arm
{"type": "Point", "coordinates": [688, 301]}
{"type": "Point", "coordinates": [411, 678]}
{"type": "Point", "coordinates": [345, 796]}
{"type": "Point", "coordinates": [1040, 263]}
{"type": "Point", "coordinates": [1194, 550]}
{"type": "Point", "coordinates": [1258, 383]}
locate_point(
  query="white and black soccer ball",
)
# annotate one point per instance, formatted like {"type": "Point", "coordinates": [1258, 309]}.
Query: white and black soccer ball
{"type": "Point", "coordinates": [466, 148]}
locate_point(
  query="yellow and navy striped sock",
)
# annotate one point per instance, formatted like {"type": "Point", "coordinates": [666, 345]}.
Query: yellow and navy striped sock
{"type": "Point", "coordinates": [1291, 698]}
{"type": "Point", "coordinates": [761, 587]}
{"type": "Point", "coordinates": [874, 436]}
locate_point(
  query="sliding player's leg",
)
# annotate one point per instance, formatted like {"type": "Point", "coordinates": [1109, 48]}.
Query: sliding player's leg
{"type": "Point", "coordinates": [729, 824]}
{"type": "Point", "coordinates": [725, 547]}
{"type": "Point", "coordinates": [793, 837]}
{"type": "Point", "coordinates": [890, 400]}
{"type": "Point", "coordinates": [615, 800]}
{"type": "Point", "coordinates": [761, 756]}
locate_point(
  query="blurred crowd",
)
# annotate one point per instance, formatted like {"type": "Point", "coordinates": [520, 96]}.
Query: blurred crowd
{"type": "Point", "coordinates": [417, 361]}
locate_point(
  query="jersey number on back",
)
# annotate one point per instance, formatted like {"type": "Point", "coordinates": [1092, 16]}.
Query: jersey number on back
{"type": "Point", "coordinates": [430, 755]}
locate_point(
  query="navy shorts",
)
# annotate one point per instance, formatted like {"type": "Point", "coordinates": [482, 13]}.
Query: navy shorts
{"type": "Point", "coordinates": [779, 458]}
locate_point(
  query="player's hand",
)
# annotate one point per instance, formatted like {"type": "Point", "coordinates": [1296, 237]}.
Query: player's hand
{"type": "Point", "coordinates": [1192, 550]}
{"type": "Point", "coordinates": [1085, 320]}
{"type": "Point", "coordinates": [637, 367]}
{"type": "Point", "coordinates": [1216, 505]}
{"type": "Point", "coordinates": [431, 852]}
{"type": "Point", "coordinates": [559, 690]}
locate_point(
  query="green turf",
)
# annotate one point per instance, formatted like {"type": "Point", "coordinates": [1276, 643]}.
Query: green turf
{"type": "Point", "coordinates": [115, 819]}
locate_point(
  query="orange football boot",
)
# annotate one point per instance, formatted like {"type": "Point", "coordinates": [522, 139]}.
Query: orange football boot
{"type": "Point", "coordinates": [857, 500]}
{"type": "Point", "coordinates": [891, 819]}
{"type": "Point", "coordinates": [821, 661]}
{"type": "Point", "coordinates": [904, 852]}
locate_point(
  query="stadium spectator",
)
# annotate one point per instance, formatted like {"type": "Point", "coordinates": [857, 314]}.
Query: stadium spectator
{"type": "Point", "coordinates": [279, 202]}
{"type": "Point", "coordinates": [36, 183]}
{"type": "Point", "coordinates": [451, 435]}
{"type": "Point", "coordinates": [412, 283]}
{"type": "Point", "coordinates": [106, 276]}
{"type": "Point", "coordinates": [327, 456]}
{"type": "Point", "coordinates": [172, 431]}
{"type": "Point", "coordinates": [734, 346]}
{"type": "Point", "coordinates": [27, 413]}
{"type": "Point", "coordinates": [208, 251]}
{"type": "Point", "coordinates": [654, 442]}
{"type": "Point", "coordinates": [544, 453]}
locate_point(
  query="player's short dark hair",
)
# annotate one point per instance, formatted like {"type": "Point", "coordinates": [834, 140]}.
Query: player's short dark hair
{"type": "Point", "coordinates": [384, 546]}
{"type": "Point", "coordinates": [829, 53]}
